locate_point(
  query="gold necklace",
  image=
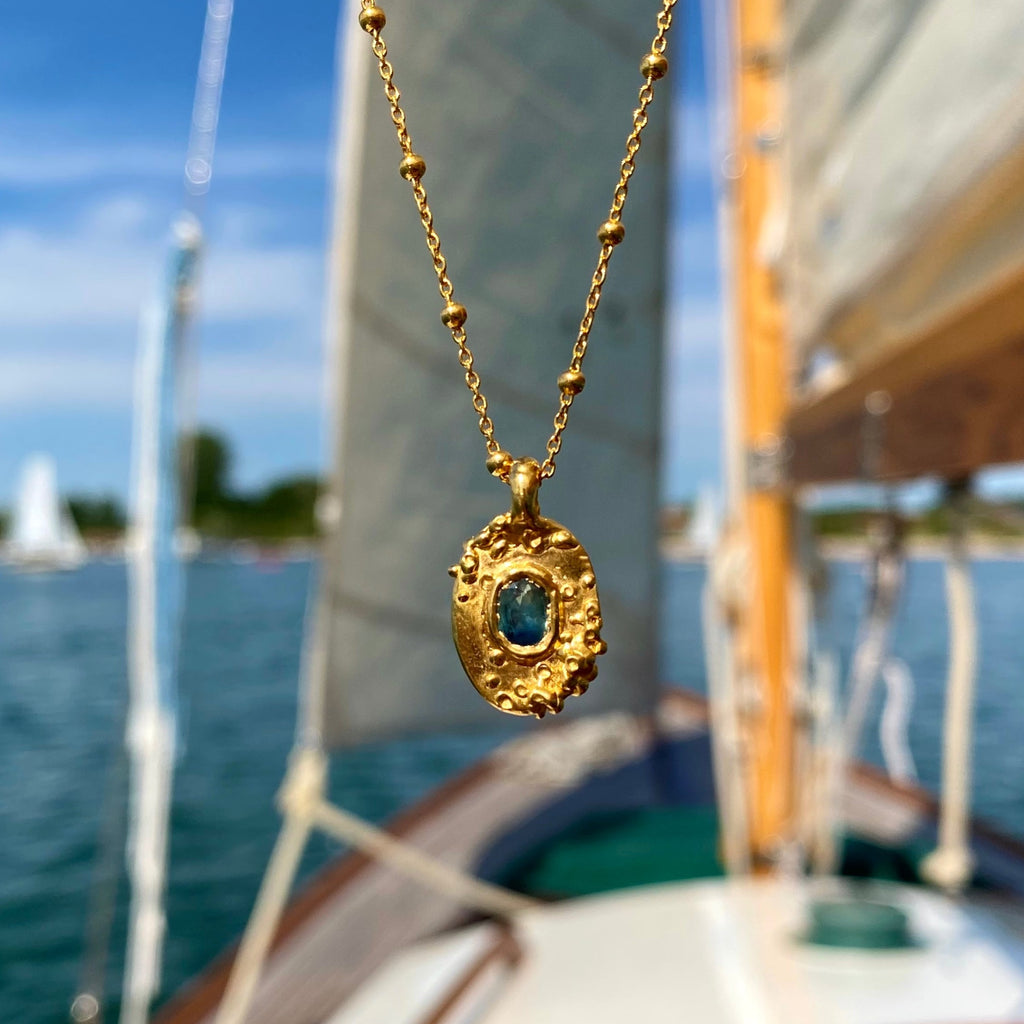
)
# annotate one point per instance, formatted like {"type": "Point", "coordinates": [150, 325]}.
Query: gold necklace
{"type": "Point", "coordinates": [526, 618]}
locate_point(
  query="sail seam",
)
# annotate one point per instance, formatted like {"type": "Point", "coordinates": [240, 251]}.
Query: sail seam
{"type": "Point", "coordinates": [389, 615]}
{"type": "Point", "coordinates": [387, 332]}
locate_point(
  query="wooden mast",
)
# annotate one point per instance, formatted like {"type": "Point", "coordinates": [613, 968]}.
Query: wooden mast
{"type": "Point", "coordinates": [764, 639]}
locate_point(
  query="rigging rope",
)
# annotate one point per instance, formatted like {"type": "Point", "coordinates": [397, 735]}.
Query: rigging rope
{"type": "Point", "coordinates": [86, 1008]}
{"type": "Point", "coordinates": [840, 739]}
{"type": "Point", "coordinates": [871, 651]}
{"type": "Point", "coordinates": [818, 745]}
{"type": "Point", "coordinates": [893, 727]}
{"type": "Point", "coordinates": [157, 587]}
{"type": "Point", "coordinates": [950, 864]}
{"type": "Point", "coordinates": [727, 568]}
{"type": "Point", "coordinates": [304, 807]}
{"type": "Point", "coordinates": [206, 104]}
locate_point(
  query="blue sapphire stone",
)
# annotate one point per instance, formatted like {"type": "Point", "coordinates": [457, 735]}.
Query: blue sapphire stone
{"type": "Point", "coordinates": [523, 608]}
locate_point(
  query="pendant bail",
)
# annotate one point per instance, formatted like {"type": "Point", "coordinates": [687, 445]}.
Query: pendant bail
{"type": "Point", "coordinates": [524, 479]}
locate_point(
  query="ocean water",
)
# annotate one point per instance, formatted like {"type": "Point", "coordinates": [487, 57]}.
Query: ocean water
{"type": "Point", "coordinates": [62, 693]}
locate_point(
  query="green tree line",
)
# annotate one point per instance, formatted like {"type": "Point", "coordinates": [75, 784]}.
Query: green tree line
{"type": "Point", "coordinates": [284, 509]}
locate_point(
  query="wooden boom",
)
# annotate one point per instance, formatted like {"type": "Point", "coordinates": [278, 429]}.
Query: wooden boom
{"type": "Point", "coordinates": [952, 394]}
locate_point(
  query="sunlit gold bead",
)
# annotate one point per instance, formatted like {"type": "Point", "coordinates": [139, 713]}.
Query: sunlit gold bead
{"type": "Point", "coordinates": [412, 167]}
{"type": "Point", "coordinates": [453, 315]}
{"type": "Point", "coordinates": [371, 19]}
{"type": "Point", "coordinates": [499, 463]}
{"type": "Point", "coordinates": [572, 382]}
{"type": "Point", "coordinates": [611, 232]}
{"type": "Point", "coordinates": [654, 66]}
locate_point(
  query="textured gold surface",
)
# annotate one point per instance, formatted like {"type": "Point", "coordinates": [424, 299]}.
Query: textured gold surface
{"type": "Point", "coordinates": [527, 680]}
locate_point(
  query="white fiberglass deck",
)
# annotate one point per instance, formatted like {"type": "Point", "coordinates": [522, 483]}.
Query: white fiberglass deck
{"type": "Point", "coordinates": [713, 952]}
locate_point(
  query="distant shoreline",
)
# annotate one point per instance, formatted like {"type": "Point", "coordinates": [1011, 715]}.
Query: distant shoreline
{"type": "Point", "coordinates": [980, 549]}
{"type": "Point", "coordinates": [673, 550]}
{"type": "Point", "coordinates": [857, 549]}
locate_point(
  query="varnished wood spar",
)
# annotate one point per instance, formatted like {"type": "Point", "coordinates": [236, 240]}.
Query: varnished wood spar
{"type": "Point", "coordinates": [956, 401]}
{"type": "Point", "coordinates": [762, 359]}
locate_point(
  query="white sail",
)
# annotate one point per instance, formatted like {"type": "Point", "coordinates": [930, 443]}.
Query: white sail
{"type": "Point", "coordinates": [43, 535]}
{"type": "Point", "coordinates": [702, 530]}
{"type": "Point", "coordinates": [521, 114]}
{"type": "Point", "coordinates": [905, 140]}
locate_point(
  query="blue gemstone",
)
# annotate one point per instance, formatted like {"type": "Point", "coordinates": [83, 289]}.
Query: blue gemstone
{"type": "Point", "coordinates": [523, 607]}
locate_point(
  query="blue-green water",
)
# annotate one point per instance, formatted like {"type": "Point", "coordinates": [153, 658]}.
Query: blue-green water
{"type": "Point", "coordinates": [62, 692]}
{"type": "Point", "coordinates": [62, 689]}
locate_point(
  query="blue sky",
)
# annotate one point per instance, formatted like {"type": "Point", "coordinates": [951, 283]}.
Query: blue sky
{"type": "Point", "coordinates": [96, 112]}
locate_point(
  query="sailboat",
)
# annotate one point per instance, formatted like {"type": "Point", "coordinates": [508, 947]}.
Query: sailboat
{"type": "Point", "coordinates": [656, 856]}
{"type": "Point", "coordinates": [698, 539]}
{"type": "Point", "coordinates": [43, 536]}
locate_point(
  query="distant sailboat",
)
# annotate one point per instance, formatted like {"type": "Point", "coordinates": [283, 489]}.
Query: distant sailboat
{"type": "Point", "coordinates": [702, 531]}
{"type": "Point", "coordinates": [43, 536]}
{"type": "Point", "coordinates": [696, 541]}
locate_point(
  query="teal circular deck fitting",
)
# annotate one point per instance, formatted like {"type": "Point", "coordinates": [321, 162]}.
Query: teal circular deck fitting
{"type": "Point", "coordinates": [858, 924]}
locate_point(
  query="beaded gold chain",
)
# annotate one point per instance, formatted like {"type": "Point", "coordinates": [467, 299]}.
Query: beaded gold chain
{"type": "Point", "coordinates": [526, 618]}
{"type": "Point", "coordinates": [412, 167]}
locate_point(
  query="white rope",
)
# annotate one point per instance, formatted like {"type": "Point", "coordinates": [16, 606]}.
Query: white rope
{"type": "Point", "coordinates": [151, 740]}
{"type": "Point", "coordinates": [727, 569]}
{"type": "Point", "coordinates": [150, 731]}
{"type": "Point", "coordinates": [950, 865]}
{"type": "Point", "coordinates": [163, 396]}
{"type": "Point", "coordinates": [304, 807]}
{"type": "Point", "coordinates": [827, 766]}
{"type": "Point", "coordinates": [300, 795]}
{"type": "Point", "coordinates": [873, 637]}
{"type": "Point", "coordinates": [894, 725]}
{"type": "Point", "coordinates": [206, 102]}
{"type": "Point", "coordinates": [458, 886]}
{"type": "Point", "coordinates": [865, 667]}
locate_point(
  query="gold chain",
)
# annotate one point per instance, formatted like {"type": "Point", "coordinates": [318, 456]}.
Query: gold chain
{"type": "Point", "coordinates": [412, 167]}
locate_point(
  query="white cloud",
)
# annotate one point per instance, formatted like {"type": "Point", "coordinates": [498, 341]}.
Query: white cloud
{"type": "Point", "coordinates": [69, 380]}
{"type": "Point", "coordinates": [265, 382]}
{"type": "Point", "coordinates": [90, 381]}
{"type": "Point", "coordinates": [69, 279]}
{"type": "Point", "coordinates": [281, 281]}
{"type": "Point", "coordinates": [82, 163]}
{"type": "Point", "coordinates": [98, 270]}
{"type": "Point", "coordinates": [70, 300]}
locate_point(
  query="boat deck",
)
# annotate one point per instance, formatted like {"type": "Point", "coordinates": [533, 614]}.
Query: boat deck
{"type": "Point", "coordinates": [353, 917]}
{"type": "Point", "coordinates": [741, 942]}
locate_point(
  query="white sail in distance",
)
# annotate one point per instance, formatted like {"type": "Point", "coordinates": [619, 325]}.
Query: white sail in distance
{"type": "Point", "coordinates": [43, 535]}
{"type": "Point", "coordinates": [703, 529]}
{"type": "Point", "coordinates": [521, 112]}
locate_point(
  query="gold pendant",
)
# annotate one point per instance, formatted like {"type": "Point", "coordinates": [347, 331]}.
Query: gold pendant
{"type": "Point", "coordinates": [525, 613]}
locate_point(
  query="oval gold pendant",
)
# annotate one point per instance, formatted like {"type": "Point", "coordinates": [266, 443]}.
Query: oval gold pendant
{"type": "Point", "coordinates": [525, 612]}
